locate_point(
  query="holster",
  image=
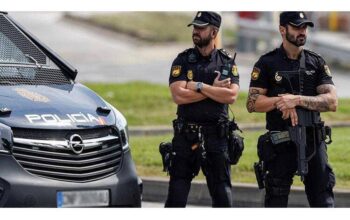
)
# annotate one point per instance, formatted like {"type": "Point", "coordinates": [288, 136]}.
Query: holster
{"type": "Point", "coordinates": [265, 153]}
{"type": "Point", "coordinates": [165, 150]}
{"type": "Point", "coordinates": [265, 148]}
{"type": "Point", "coordinates": [259, 170]}
{"type": "Point", "coordinates": [323, 133]}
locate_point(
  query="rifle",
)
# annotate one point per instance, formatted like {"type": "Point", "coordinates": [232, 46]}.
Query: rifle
{"type": "Point", "coordinates": [297, 134]}
{"type": "Point", "coordinates": [306, 118]}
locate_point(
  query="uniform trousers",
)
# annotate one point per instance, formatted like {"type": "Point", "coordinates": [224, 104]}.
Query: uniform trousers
{"type": "Point", "coordinates": [186, 165]}
{"type": "Point", "coordinates": [281, 168]}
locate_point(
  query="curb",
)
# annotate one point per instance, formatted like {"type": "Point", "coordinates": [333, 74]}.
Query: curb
{"type": "Point", "coordinates": [244, 195]}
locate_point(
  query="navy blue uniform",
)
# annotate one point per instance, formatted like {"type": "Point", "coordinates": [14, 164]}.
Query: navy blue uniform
{"type": "Point", "coordinates": [269, 73]}
{"type": "Point", "coordinates": [191, 65]}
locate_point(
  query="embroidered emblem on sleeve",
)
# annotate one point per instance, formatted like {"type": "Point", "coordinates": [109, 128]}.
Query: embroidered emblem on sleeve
{"type": "Point", "coordinates": [255, 73]}
{"type": "Point", "coordinates": [175, 71]}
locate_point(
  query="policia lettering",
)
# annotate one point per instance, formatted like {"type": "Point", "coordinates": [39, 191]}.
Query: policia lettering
{"type": "Point", "coordinates": [293, 85]}
{"type": "Point", "coordinates": [203, 81]}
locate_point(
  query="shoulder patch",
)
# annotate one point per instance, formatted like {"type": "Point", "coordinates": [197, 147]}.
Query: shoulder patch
{"type": "Point", "coordinates": [175, 71]}
{"type": "Point", "coordinates": [225, 53]}
{"type": "Point", "coordinates": [255, 73]}
{"type": "Point", "coordinates": [327, 71]}
{"type": "Point", "coordinates": [234, 70]}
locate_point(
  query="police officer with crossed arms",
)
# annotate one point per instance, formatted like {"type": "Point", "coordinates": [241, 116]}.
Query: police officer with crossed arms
{"type": "Point", "coordinates": [203, 81]}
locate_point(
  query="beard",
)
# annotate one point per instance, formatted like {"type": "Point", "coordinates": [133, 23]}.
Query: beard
{"type": "Point", "coordinates": [297, 41]}
{"type": "Point", "coordinates": [201, 42]}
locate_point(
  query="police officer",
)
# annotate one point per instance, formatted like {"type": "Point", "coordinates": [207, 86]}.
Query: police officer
{"type": "Point", "coordinates": [203, 81]}
{"type": "Point", "coordinates": [282, 81]}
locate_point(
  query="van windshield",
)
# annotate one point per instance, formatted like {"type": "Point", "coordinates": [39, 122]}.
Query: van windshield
{"type": "Point", "coordinates": [22, 62]}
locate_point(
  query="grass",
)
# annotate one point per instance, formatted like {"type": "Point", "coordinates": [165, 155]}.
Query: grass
{"type": "Point", "coordinates": [151, 104]}
{"type": "Point", "coordinates": [147, 158]}
{"type": "Point", "coordinates": [141, 103]}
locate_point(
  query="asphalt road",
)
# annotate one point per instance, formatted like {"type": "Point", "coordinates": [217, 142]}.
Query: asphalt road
{"type": "Point", "coordinates": [102, 56]}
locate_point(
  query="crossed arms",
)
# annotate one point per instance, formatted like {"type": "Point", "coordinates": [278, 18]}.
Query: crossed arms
{"type": "Point", "coordinates": [221, 91]}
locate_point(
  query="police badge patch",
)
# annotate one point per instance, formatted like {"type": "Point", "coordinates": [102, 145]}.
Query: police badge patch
{"type": "Point", "coordinates": [255, 73]}
{"type": "Point", "coordinates": [278, 78]}
{"type": "Point", "coordinates": [175, 71]}
{"type": "Point", "coordinates": [234, 70]}
{"type": "Point", "coordinates": [190, 75]}
{"type": "Point", "coordinates": [327, 71]}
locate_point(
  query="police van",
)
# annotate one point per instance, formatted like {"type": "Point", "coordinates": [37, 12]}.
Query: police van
{"type": "Point", "coordinates": [61, 145]}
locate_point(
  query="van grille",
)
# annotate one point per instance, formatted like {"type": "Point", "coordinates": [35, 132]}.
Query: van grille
{"type": "Point", "coordinates": [100, 158]}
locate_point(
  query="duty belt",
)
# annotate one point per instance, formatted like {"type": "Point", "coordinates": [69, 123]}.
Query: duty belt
{"type": "Point", "coordinates": [322, 134]}
{"type": "Point", "coordinates": [205, 128]}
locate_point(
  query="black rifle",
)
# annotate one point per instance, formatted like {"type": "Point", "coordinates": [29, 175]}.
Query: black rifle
{"type": "Point", "coordinates": [306, 118]}
{"type": "Point", "coordinates": [297, 134]}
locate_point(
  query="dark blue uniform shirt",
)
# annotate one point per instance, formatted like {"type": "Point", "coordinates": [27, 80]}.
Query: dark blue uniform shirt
{"type": "Point", "coordinates": [191, 65]}
{"type": "Point", "coordinates": [270, 71]}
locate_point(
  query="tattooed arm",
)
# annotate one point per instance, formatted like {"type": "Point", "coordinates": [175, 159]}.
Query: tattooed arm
{"type": "Point", "coordinates": [258, 101]}
{"type": "Point", "coordinates": [326, 100]}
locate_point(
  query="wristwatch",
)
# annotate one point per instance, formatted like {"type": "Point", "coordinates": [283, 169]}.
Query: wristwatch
{"type": "Point", "coordinates": [199, 86]}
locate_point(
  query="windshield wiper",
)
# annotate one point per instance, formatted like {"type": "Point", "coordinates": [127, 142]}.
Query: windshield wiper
{"type": "Point", "coordinates": [22, 64]}
{"type": "Point", "coordinates": [33, 59]}
{"type": "Point", "coordinates": [8, 83]}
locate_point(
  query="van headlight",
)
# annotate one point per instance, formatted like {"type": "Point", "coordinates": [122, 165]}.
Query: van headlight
{"type": "Point", "coordinates": [122, 125]}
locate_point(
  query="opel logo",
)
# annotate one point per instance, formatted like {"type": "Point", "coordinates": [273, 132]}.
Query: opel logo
{"type": "Point", "coordinates": [76, 144]}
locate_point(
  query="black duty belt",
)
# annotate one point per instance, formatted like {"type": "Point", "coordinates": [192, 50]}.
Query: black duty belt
{"type": "Point", "coordinates": [322, 133]}
{"type": "Point", "coordinates": [205, 128]}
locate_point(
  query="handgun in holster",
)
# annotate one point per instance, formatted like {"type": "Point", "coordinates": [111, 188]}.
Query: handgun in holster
{"type": "Point", "coordinates": [260, 173]}
{"type": "Point", "coordinates": [165, 150]}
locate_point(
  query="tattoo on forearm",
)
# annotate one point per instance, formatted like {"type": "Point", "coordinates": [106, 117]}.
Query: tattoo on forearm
{"type": "Point", "coordinates": [321, 102]}
{"type": "Point", "coordinates": [316, 103]}
{"type": "Point", "coordinates": [252, 97]}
